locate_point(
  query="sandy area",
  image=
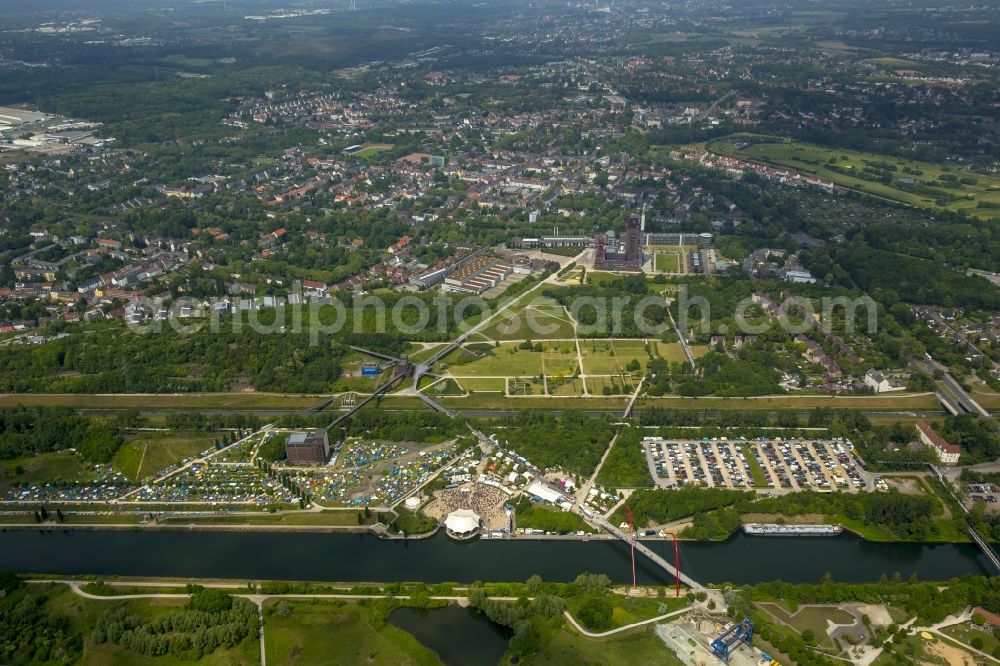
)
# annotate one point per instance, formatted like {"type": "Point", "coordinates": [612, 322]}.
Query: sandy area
{"type": "Point", "coordinates": [952, 655]}
{"type": "Point", "coordinates": [879, 615]}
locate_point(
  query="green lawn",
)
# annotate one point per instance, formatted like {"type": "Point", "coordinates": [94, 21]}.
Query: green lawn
{"type": "Point", "coordinates": [600, 277]}
{"type": "Point", "coordinates": [504, 361]}
{"type": "Point", "coordinates": [151, 452]}
{"type": "Point", "coordinates": [320, 518]}
{"type": "Point", "coordinates": [332, 632]}
{"type": "Point", "coordinates": [668, 262]}
{"type": "Point", "coordinates": [811, 617]}
{"type": "Point", "coordinates": [844, 167]}
{"type": "Point", "coordinates": [673, 352]}
{"type": "Point", "coordinates": [565, 646]}
{"type": "Point", "coordinates": [417, 353]}
{"type": "Point", "coordinates": [234, 401]}
{"type": "Point", "coordinates": [479, 384]}
{"type": "Point", "coordinates": [567, 387]}
{"type": "Point", "coordinates": [629, 610]}
{"type": "Point", "coordinates": [964, 633]}
{"type": "Point", "coordinates": [610, 357]}
{"type": "Point", "coordinates": [550, 519]}
{"type": "Point", "coordinates": [372, 149]}
{"type": "Point", "coordinates": [55, 467]}
{"type": "Point", "coordinates": [756, 473]}
{"type": "Point", "coordinates": [83, 614]}
{"type": "Point", "coordinates": [539, 319]}
{"type": "Point", "coordinates": [596, 384]}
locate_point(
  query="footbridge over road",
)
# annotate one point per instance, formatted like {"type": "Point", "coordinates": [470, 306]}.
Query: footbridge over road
{"type": "Point", "coordinates": [375, 394]}
{"type": "Point", "coordinates": [384, 357]}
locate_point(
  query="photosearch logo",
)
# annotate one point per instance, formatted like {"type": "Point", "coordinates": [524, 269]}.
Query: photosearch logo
{"type": "Point", "coordinates": [445, 316]}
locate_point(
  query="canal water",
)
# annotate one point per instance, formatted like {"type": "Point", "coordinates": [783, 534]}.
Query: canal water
{"type": "Point", "coordinates": [277, 555]}
{"type": "Point", "coordinates": [460, 636]}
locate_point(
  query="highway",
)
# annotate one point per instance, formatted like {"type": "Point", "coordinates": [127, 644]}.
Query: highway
{"type": "Point", "coordinates": [959, 401]}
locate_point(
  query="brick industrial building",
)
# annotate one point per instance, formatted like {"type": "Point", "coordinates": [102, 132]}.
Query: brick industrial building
{"type": "Point", "coordinates": [626, 258]}
{"type": "Point", "coordinates": [307, 448]}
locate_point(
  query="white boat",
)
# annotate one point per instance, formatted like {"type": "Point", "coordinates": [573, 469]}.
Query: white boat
{"type": "Point", "coordinates": [774, 529]}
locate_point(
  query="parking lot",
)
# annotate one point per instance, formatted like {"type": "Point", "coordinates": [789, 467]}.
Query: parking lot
{"type": "Point", "coordinates": [789, 464]}
{"type": "Point", "coordinates": [983, 492]}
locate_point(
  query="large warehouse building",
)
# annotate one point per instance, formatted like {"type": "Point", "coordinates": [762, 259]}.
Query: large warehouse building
{"type": "Point", "coordinates": [10, 117]}
{"type": "Point", "coordinates": [307, 448]}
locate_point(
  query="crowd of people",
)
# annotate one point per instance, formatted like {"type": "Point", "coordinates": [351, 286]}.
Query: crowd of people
{"type": "Point", "coordinates": [486, 500]}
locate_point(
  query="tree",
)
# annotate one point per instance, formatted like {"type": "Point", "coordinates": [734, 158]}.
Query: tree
{"type": "Point", "coordinates": [595, 613]}
{"type": "Point", "coordinates": [525, 640]}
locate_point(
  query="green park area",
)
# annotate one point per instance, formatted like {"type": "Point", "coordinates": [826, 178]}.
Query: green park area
{"type": "Point", "coordinates": [668, 262]}
{"type": "Point", "coordinates": [148, 453]}
{"type": "Point", "coordinates": [336, 632]}
{"type": "Point", "coordinates": [66, 625]}
{"type": "Point", "coordinates": [372, 149]}
{"type": "Point", "coordinates": [532, 515]}
{"type": "Point", "coordinates": [54, 467]}
{"type": "Point", "coordinates": [159, 401]}
{"type": "Point", "coordinates": [920, 184]}
{"type": "Point", "coordinates": [810, 618]}
{"type": "Point", "coordinates": [537, 319]}
{"type": "Point", "coordinates": [484, 367]}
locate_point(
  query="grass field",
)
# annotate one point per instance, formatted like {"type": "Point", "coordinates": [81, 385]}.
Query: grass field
{"type": "Point", "coordinates": [541, 319]}
{"type": "Point", "coordinates": [596, 384]}
{"type": "Point", "coordinates": [333, 632]}
{"type": "Point", "coordinates": [234, 401]}
{"type": "Point", "coordinates": [83, 614]}
{"type": "Point", "coordinates": [600, 277]}
{"type": "Point", "coordinates": [151, 452]}
{"type": "Point", "coordinates": [964, 633]}
{"type": "Point", "coordinates": [346, 518]}
{"type": "Point", "coordinates": [568, 388]}
{"type": "Point", "coordinates": [564, 646]}
{"type": "Point", "coordinates": [753, 467]}
{"type": "Point", "coordinates": [915, 183]}
{"type": "Point", "coordinates": [773, 402]}
{"type": "Point", "coordinates": [372, 149]}
{"type": "Point", "coordinates": [811, 617]}
{"type": "Point", "coordinates": [417, 353]}
{"type": "Point", "coordinates": [610, 357]}
{"type": "Point", "coordinates": [478, 384]}
{"type": "Point", "coordinates": [59, 466]}
{"type": "Point", "coordinates": [668, 262]}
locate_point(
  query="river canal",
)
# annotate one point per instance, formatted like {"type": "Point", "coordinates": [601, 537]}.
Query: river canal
{"type": "Point", "coordinates": [277, 555]}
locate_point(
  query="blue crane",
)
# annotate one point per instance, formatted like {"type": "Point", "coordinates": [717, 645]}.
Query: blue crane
{"type": "Point", "coordinates": [742, 632]}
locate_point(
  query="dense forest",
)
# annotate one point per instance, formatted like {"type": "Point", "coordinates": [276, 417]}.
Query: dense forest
{"type": "Point", "coordinates": [890, 277]}
{"type": "Point", "coordinates": [716, 512]}
{"type": "Point", "coordinates": [26, 431]}
{"type": "Point", "coordinates": [31, 633]}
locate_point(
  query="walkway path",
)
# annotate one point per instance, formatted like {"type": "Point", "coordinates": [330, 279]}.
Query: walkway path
{"type": "Point", "coordinates": [612, 632]}
{"type": "Point", "coordinates": [584, 491]}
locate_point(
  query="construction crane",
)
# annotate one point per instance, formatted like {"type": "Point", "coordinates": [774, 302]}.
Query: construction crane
{"type": "Point", "coordinates": [741, 632]}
